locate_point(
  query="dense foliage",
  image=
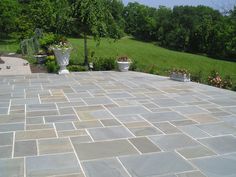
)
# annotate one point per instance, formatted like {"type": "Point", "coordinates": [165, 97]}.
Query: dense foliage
{"type": "Point", "coordinates": [185, 28]}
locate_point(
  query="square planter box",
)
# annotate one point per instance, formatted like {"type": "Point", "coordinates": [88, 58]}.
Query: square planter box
{"type": "Point", "coordinates": [180, 77]}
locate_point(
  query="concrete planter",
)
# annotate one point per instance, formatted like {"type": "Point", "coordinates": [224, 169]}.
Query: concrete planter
{"type": "Point", "coordinates": [62, 56]}
{"type": "Point", "coordinates": [123, 66]}
{"type": "Point", "coordinates": [180, 77]}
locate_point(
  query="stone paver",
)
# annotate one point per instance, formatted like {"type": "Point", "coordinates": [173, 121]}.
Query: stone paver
{"type": "Point", "coordinates": [104, 124]}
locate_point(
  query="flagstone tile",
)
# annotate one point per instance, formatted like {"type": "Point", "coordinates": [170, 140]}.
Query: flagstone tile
{"type": "Point", "coordinates": [145, 131]}
{"type": "Point", "coordinates": [50, 165]}
{"type": "Point", "coordinates": [98, 150]}
{"type": "Point", "coordinates": [173, 141]}
{"type": "Point", "coordinates": [5, 152]}
{"type": "Point", "coordinates": [35, 134]}
{"type": "Point", "coordinates": [6, 139]}
{"type": "Point", "coordinates": [167, 128]}
{"type": "Point", "coordinates": [25, 148]}
{"type": "Point", "coordinates": [87, 124]}
{"type": "Point", "coordinates": [110, 122]}
{"type": "Point", "coordinates": [12, 167]}
{"type": "Point", "coordinates": [195, 152]}
{"type": "Point", "coordinates": [221, 145]}
{"type": "Point", "coordinates": [104, 168]}
{"type": "Point", "coordinates": [218, 166]}
{"type": "Point", "coordinates": [109, 133]}
{"type": "Point", "coordinates": [155, 164]}
{"type": "Point", "coordinates": [216, 129]}
{"type": "Point", "coordinates": [128, 110]}
{"type": "Point", "coordinates": [61, 118]}
{"type": "Point", "coordinates": [52, 146]}
{"type": "Point", "coordinates": [144, 145]}
{"type": "Point", "coordinates": [162, 117]}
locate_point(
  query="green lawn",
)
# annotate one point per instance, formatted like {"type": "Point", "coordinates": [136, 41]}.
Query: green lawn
{"type": "Point", "coordinates": [7, 46]}
{"type": "Point", "coordinates": [148, 54]}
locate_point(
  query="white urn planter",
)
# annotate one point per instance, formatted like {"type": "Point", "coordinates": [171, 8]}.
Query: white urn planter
{"type": "Point", "coordinates": [123, 66]}
{"type": "Point", "coordinates": [62, 57]}
{"type": "Point", "coordinates": [180, 77]}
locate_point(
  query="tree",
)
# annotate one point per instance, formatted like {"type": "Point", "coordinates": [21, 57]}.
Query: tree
{"type": "Point", "coordinates": [92, 17]}
{"type": "Point", "coordinates": [9, 13]}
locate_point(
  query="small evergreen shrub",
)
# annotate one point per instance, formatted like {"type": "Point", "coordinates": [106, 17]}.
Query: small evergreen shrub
{"type": "Point", "coordinates": [52, 66]}
{"type": "Point", "coordinates": [104, 64]}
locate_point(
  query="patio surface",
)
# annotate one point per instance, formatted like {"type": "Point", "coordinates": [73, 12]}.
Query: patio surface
{"type": "Point", "coordinates": [111, 124]}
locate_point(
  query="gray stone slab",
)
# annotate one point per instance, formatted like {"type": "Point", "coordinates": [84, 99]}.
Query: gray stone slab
{"type": "Point", "coordinates": [195, 152]}
{"type": "Point", "coordinates": [194, 131]}
{"type": "Point", "coordinates": [66, 111]}
{"type": "Point", "coordinates": [3, 110]}
{"type": "Point", "coordinates": [40, 107]}
{"type": "Point", "coordinates": [221, 145]}
{"type": "Point", "coordinates": [64, 126]}
{"type": "Point", "coordinates": [80, 139]}
{"type": "Point", "coordinates": [167, 102]}
{"type": "Point", "coordinates": [6, 139]}
{"type": "Point", "coordinates": [70, 133]}
{"type": "Point", "coordinates": [97, 101]}
{"type": "Point", "coordinates": [5, 152]}
{"type": "Point", "coordinates": [12, 167]}
{"type": "Point", "coordinates": [219, 166]}
{"type": "Point", "coordinates": [191, 174]}
{"type": "Point", "coordinates": [104, 168]}
{"type": "Point", "coordinates": [61, 118]}
{"type": "Point", "coordinates": [39, 126]}
{"type": "Point", "coordinates": [167, 128]}
{"type": "Point", "coordinates": [35, 120]}
{"type": "Point", "coordinates": [162, 116]}
{"type": "Point", "coordinates": [190, 110]}
{"type": "Point", "coordinates": [129, 110]}
{"type": "Point", "coordinates": [12, 118]}
{"type": "Point", "coordinates": [42, 113]}
{"type": "Point", "coordinates": [98, 150]}
{"type": "Point", "coordinates": [129, 118]}
{"type": "Point", "coordinates": [144, 145]}
{"type": "Point", "coordinates": [25, 148]}
{"type": "Point", "coordinates": [173, 141]}
{"type": "Point", "coordinates": [88, 124]}
{"type": "Point", "coordinates": [145, 131]}
{"type": "Point", "coordinates": [155, 164]}
{"type": "Point", "coordinates": [11, 127]}
{"type": "Point", "coordinates": [179, 123]}
{"type": "Point", "coordinates": [110, 122]}
{"type": "Point", "coordinates": [217, 129]}
{"type": "Point", "coordinates": [35, 134]}
{"type": "Point", "coordinates": [119, 95]}
{"type": "Point", "coordinates": [52, 146]}
{"type": "Point", "coordinates": [109, 133]}
{"type": "Point", "coordinates": [50, 165]}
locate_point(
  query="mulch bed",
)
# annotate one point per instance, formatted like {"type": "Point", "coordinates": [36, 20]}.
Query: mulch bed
{"type": "Point", "coordinates": [38, 69]}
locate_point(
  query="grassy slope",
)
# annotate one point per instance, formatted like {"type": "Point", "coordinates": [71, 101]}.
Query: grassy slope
{"type": "Point", "coordinates": [148, 54]}
{"type": "Point", "coordinates": [8, 46]}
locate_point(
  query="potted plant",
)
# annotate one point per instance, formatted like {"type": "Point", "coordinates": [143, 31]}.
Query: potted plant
{"type": "Point", "coordinates": [123, 63]}
{"type": "Point", "coordinates": [180, 75]}
{"type": "Point", "coordinates": [62, 53]}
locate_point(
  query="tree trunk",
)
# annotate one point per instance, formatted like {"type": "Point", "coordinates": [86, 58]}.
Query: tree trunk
{"type": "Point", "coordinates": [85, 50]}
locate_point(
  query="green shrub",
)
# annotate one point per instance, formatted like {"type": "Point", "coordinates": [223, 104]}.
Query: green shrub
{"type": "Point", "coordinates": [77, 68]}
{"type": "Point", "coordinates": [47, 40]}
{"type": "Point", "coordinates": [104, 64]}
{"type": "Point", "coordinates": [197, 77]}
{"type": "Point", "coordinates": [52, 66]}
{"type": "Point", "coordinates": [134, 66]}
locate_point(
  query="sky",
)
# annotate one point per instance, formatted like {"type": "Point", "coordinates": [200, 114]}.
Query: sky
{"type": "Point", "coordinates": [217, 4]}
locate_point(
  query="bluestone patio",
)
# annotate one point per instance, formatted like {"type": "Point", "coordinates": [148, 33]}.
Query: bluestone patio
{"type": "Point", "coordinates": [112, 124]}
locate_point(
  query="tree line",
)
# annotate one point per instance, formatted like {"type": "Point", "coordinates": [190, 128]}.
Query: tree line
{"type": "Point", "coordinates": [198, 29]}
